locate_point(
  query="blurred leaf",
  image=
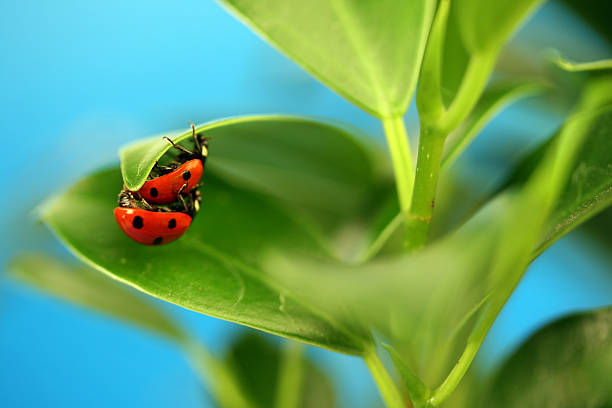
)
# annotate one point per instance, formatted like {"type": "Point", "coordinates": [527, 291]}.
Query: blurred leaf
{"type": "Point", "coordinates": [416, 301]}
{"type": "Point", "coordinates": [85, 287]}
{"type": "Point", "coordinates": [595, 13]}
{"type": "Point", "coordinates": [486, 25]}
{"type": "Point", "coordinates": [431, 306]}
{"type": "Point", "coordinates": [493, 100]}
{"type": "Point", "coordinates": [366, 50]}
{"type": "Point", "coordinates": [565, 364]}
{"type": "Point", "coordinates": [258, 365]}
{"type": "Point", "coordinates": [589, 189]}
{"type": "Point", "coordinates": [214, 269]}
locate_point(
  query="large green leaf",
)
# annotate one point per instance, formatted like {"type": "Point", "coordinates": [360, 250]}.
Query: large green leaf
{"type": "Point", "coordinates": [328, 172]}
{"type": "Point", "coordinates": [262, 369]}
{"type": "Point", "coordinates": [565, 364]}
{"type": "Point", "coordinates": [214, 269]}
{"type": "Point", "coordinates": [85, 287]}
{"type": "Point", "coordinates": [369, 51]}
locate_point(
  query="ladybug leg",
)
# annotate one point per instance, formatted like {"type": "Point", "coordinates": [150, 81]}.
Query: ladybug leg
{"type": "Point", "coordinates": [179, 147]}
{"type": "Point", "coordinates": [146, 205]}
{"type": "Point", "coordinates": [180, 197]}
{"type": "Point", "coordinates": [162, 169]}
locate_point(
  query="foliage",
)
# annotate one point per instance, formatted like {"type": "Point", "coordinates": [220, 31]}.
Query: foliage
{"type": "Point", "coordinates": [301, 236]}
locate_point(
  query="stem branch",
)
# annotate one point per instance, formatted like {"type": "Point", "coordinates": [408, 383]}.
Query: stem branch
{"type": "Point", "coordinates": [386, 386]}
{"type": "Point", "coordinates": [401, 157]}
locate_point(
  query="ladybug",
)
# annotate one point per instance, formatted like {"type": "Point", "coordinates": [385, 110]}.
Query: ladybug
{"type": "Point", "coordinates": [180, 180]}
{"type": "Point", "coordinates": [154, 225]}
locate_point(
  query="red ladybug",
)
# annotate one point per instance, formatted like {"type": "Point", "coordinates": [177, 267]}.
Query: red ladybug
{"type": "Point", "coordinates": [150, 227]}
{"type": "Point", "coordinates": [167, 188]}
{"type": "Point", "coordinates": [154, 225]}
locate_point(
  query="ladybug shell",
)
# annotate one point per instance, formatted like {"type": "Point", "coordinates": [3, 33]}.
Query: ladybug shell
{"type": "Point", "coordinates": [151, 228]}
{"type": "Point", "coordinates": [164, 189]}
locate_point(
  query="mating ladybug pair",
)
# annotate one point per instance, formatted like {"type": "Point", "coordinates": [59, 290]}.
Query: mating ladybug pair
{"type": "Point", "coordinates": [162, 210]}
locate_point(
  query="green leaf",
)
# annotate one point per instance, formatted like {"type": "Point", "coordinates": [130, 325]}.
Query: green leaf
{"type": "Point", "coordinates": [495, 98]}
{"type": "Point", "coordinates": [565, 364]}
{"type": "Point", "coordinates": [589, 190]}
{"type": "Point", "coordinates": [328, 172]}
{"type": "Point", "coordinates": [273, 153]}
{"type": "Point", "coordinates": [260, 366]}
{"type": "Point", "coordinates": [214, 269]}
{"type": "Point", "coordinates": [83, 286]}
{"type": "Point", "coordinates": [369, 51]}
{"type": "Point", "coordinates": [486, 25]}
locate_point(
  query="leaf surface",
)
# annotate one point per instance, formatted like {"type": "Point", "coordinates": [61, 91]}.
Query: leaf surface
{"type": "Point", "coordinates": [565, 364]}
{"type": "Point", "coordinates": [214, 268]}
{"type": "Point", "coordinates": [369, 51]}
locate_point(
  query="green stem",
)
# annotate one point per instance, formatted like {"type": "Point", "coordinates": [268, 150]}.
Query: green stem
{"type": "Point", "coordinates": [401, 157]}
{"type": "Point", "coordinates": [386, 386]}
{"type": "Point", "coordinates": [474, 81]}
{"type": "Point", "coordinates": [431, 146]}
{"type": "Point", "coordinates": [469, 353]}
{"type": "Point", "coordinates": [288, 390]}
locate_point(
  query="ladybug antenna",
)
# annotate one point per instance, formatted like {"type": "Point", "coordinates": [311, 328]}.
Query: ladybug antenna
{"type": "Point", "coordinates": [195, 138]}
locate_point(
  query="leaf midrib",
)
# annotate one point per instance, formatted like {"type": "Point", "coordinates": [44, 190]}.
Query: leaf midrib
{"type": "Point", "coordinates": [353, 34]}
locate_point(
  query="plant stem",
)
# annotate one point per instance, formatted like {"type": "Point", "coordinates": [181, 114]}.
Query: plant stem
{"type": "Point", "coordinates": [386, 386]}
{"type": "Point", "coordinates": [401, 157]}
{"type": "Point", "coordinates": [473, 345]}
{"type": "Point", "coordinates": [289, 387]}
{"type": "Point", "coordinates": [431, 146]}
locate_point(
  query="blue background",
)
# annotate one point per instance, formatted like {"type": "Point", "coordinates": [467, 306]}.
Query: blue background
{"type": "Point", "coordinates": [78, 79]}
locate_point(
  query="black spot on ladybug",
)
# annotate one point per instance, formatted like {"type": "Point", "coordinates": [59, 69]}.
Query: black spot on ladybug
{"type": "Point", "coordinates": [157, 241]}
{"type": "Point", "coordinates": [137, 223]}
{"type": "Point", "coordinates": [154, 192]}
{"type": "Point", "coordinates": [172, 223]}
{"type": "Point", "coordinates": [186, 175]}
